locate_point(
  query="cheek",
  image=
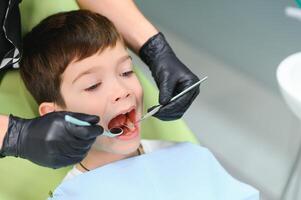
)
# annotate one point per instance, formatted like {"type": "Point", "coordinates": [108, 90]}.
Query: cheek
{"type": "Point", "coordinates": [138, 90]}
{"type": "Point", "coordinates": [89, 103]}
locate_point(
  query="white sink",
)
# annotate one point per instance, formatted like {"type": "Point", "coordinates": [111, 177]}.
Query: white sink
{"type": "Point", "coordinates": [289, 80]}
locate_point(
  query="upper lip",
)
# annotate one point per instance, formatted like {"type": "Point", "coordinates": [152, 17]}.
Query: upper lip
{"type": "Point", "coordinates": [124, 111]}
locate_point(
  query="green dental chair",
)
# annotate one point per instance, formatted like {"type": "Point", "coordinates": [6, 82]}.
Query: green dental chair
{"type": "Point", "coordinates": [22, 180]}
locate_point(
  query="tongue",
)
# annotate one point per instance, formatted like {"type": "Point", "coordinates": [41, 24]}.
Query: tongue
{"type": "Point", "coordinates": [117, 121]}
{"type": "Point", "coordinates": [122, 120]}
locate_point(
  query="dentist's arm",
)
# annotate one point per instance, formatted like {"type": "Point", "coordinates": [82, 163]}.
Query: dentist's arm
{"type": "Point", "coordinates": [125, 15]}
{"type": "Point", "coordinates": [170, 74]}
{"type": "Point", "coordinates": [3, 128]}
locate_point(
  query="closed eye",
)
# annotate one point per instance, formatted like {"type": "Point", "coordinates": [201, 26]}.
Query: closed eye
{"type": "Point", "coordinates": [93, 87]}
{"type": "Point", "coordinates": [127, 74]}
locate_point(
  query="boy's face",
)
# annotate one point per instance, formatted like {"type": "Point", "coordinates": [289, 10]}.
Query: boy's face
{"type": "Point", "coordinates": [104, 85]}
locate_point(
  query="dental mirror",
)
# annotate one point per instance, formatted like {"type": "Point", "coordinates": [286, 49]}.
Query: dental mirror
{"type": "Point", "coordinates": [113, 132]}
{"type": "Point", "coordinates": [116, 131]}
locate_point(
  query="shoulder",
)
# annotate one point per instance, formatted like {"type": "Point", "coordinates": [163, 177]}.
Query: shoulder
{"type": "Point", "coordinates": [153, 145]}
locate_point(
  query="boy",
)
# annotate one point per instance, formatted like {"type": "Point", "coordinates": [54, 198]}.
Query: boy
{"type": "Point", "coordinates": [84, 67]}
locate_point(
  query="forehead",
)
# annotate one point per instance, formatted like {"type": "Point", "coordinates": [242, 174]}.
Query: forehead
{"type": "Point", "coordinates": [109, 57]}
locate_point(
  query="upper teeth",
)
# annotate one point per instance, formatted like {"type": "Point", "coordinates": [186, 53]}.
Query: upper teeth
{"type": "Point", "coordinates": [130, 124]}
{"type": "Point", "coordinates": [126, 113]}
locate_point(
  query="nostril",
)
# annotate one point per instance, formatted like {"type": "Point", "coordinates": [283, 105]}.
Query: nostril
{"type": "Point", "coordinates": [122, 97]}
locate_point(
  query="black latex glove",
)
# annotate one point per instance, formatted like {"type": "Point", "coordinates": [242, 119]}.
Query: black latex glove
{"type": "Point", "coordinates": [49, 140]}
{"type": "Point", "coordinates": [171, 76]}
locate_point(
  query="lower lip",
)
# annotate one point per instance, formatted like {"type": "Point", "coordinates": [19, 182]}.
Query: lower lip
{"type": "Point", "coordinates": [129, 135]}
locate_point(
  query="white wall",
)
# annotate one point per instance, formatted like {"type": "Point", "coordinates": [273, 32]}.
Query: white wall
{"type": "Point", "coordinates": [239, 114]}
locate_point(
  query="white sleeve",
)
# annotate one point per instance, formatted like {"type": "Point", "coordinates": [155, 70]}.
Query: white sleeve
{"type": "Point", "coordinates": [153, 145]}
{"type": "Point", "coordinates": [72, 173]}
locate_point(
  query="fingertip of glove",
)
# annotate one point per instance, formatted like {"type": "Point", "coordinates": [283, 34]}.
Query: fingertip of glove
{"type": "Point", "coordinates": [163, 100]}
{"type": "Point", "coordinates": [93, 119]}
{"type": "Point", "coordinates": [96, 130]}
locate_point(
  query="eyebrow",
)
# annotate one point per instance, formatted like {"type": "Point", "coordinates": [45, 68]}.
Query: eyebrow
{"type": "Point", "coordinates": [119, 61]}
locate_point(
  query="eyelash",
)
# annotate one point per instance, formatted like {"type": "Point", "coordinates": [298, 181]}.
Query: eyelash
{"type": "Point", "coordinates": [95, 86]}
{"type": "Point", "coordinates": [127, 74]}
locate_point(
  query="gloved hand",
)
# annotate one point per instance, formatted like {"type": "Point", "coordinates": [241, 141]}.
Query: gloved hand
{"type": "Point", "coordinates": [49, 140]}
{"type": "Point", "coordinates": [171, 77]}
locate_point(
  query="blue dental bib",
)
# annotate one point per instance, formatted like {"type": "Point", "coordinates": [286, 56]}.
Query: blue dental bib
{"type": "Point", "coordinates": [183, 171]}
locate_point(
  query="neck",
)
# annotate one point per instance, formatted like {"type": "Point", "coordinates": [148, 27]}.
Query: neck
{"type": "Point", "coordinates": [92, 161]}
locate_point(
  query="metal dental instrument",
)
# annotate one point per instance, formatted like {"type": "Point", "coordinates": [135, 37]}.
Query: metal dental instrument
{"type": "Point", "coordinates": [156, 109]}
{"type": "Point", "coordinates": [113, 132]}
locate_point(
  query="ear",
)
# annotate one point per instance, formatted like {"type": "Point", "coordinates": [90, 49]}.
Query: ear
{"type": "Point", "coordinates": [46, 107]}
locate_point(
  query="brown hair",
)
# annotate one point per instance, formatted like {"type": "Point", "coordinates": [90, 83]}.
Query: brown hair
{"type": "Point", "coordinates": [57, 41]}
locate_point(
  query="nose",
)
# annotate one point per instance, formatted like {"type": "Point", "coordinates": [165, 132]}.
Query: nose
{"type": "Point", "coordinates": [120, 92]}
{"type": "Point", "coordinates": [122, 97]}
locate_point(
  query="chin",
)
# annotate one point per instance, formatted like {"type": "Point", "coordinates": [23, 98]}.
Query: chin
{"type": "Point", "coordinates": [116, 146]}
{"type": "Point", "coordinates": [126, 148]}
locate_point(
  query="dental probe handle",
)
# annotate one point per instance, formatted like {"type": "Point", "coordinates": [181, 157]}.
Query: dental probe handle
{"type": "Point", "coordinates": [188, 89]}
{"type": "Point", "coordinates": [79, 122]}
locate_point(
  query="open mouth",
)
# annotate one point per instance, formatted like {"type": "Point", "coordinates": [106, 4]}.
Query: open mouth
{"type": "Point", "coordinates": [124, 121]}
